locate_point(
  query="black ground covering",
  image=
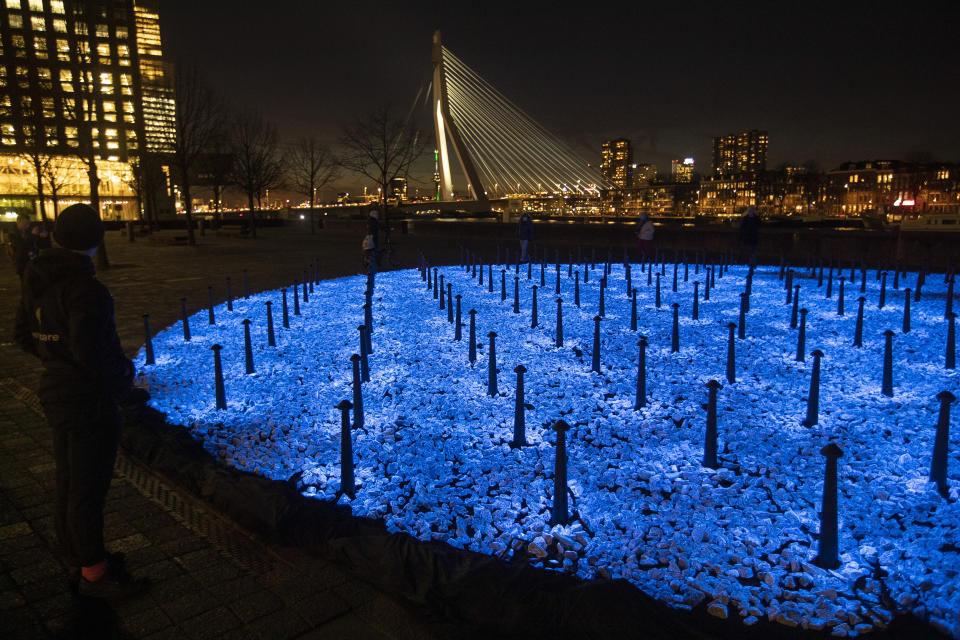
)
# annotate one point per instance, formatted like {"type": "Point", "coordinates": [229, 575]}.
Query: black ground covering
{"type": "Point", "coordinates": [490, 597]}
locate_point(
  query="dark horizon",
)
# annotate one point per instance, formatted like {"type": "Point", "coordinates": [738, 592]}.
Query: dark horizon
{"type": "Point", "coordinates": [856, 83]}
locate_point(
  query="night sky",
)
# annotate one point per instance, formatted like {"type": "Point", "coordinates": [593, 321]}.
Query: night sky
{"type": "Point", "coordinates": [829, 83]}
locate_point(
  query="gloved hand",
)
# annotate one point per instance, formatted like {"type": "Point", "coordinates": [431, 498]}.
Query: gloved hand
{"type": "Point", "coordinates": [135, 396]}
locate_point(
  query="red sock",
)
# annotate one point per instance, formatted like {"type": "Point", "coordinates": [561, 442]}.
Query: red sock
{"type": "Point", "coordinates": [94, 572]}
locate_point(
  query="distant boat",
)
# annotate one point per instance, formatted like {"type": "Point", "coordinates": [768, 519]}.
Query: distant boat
{"type": "Point", "coordinates": [943, 222]}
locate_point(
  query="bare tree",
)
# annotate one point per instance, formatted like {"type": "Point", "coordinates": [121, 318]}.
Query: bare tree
{"type": "Point", "coordinates": [135, 182]}
{"type": "Point", "coordinates": [35, 155]}
{"type": "Point", "coordinates": [82, 110]}
{"type": "Point", "coordinates": [215, 167]}
{"type": "Point", "coordinates": [199, 114]}
{"type": "Point", "coordinates": [55, 172]}
{"type": "Point", "coordinates": [257, 167]}
{"type": "Point", "coordinates": [312, 167]}
{"type": "Point", "coordinates": [380, 146]}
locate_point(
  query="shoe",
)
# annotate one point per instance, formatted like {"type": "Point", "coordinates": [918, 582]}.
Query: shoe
{"type": "Point", "coordinates": [116, 582]}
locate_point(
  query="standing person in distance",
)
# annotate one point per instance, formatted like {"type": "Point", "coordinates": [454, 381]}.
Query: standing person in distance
{"type": "Point", "coordinates": [27, 242]}
{"type": "Point", "coordinates": [644, 234]}
{"type": "Point", "coordinates": [371, 244]}
{"type": "Point", "coordinates": [750, 234]}
{"type": "Point", "coordinates": [66, 318]}
{"type": "Point", "coordinates": [526, 235]}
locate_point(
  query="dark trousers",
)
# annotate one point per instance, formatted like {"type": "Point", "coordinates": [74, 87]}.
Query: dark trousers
{"type": "Point", "coordinates": [85, 444]}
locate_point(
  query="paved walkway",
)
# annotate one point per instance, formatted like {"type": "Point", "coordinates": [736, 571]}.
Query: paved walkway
{"type": "Point", "coordinates": [210, 579]}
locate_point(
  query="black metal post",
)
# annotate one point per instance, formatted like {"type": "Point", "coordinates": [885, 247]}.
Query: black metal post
{"type": "Point", "coordinates": [490, 278]}
{"type": "Point", "coordinates": [186, 319]}
{"type": "Point", "coordinates": [229, 296]}
{"type": "Point", "coordinates": [696, 300]}
{"type": "Point", "coordinates": [516, 294]}
{"type": "Point", "coordinates": [357, 392]}
{"type": "Point", "coordinates": [887, 389]}
{"type": "Point", "coordinates": [449, 303]}
{"type": "Point", "coordinates": [286, 315]}
{"type": "Point", "coordinates": [674, 286]}
{"type": "Point", "coordinates": [436, 283]}
{"type": "Point", "coordinates": [802, 337]}
{"type": "Point", "coordinates": [211, 317]}
{"type": "Point", "coordinates": [473, 336]}
{"type": "Point", "coordinates": [827, 545]}
{"type": "Point", "coordinates": [296, 297]}
{"type": "Point", "coordinates": [840, 299]}
{"type": "Point", "coordinates": [443, 293]}
{"type": "Point", "coordinates": [247, 346]}
{"type": "Point", "coordinates": [938, 464]}
{"type": "Point", "coordinates": [633, 310]}
{"type": "Point", "coordinates": [560, 513]}
{"type": "Point", "coordinates": [813, 398]}
{"type": "Point", "coordinates": [675, 338]}
{"type": "Point", "coordinates": [559, 341]}
{"type": "Point", "coordinates": [457, 331]}
{"type": "Point", "coordinates": [641, 399]}
{"type": "Point", "coordinates": [364, 363]}
{"type": "Point", "coordinates": [576, 288]}
{"type": "Point", "coordinates": [519, 412]}
{"type": "Point", "coordinates": [601, 305]}
{"type": "Point", "coordinates": [271, 338]}
{"type": "Point", "coordinates": [503, 285]}
{"type": "Point", "coordinates": [147, 341]}
{"type": "Point", "coordinates": [906, 310]}
{"type": "Point", "coordinates": [949, 308]}
{"type": "Point", "coordinates": [219, 391]}
{"type": "Point", "coordinates": [368, 322]}
{"type": "Point", "coordinates": [492, 371]}
{"type": "Point", "coordinates": [658, 292]}
{"type": "Point", "coordinates": [347, 484]}
{"type": "Point", "coordinates": [883, 291]}
{"type": "Point", "coordinates": [796, 307]}
{"type": "Point", "coordinates": [710, 441]}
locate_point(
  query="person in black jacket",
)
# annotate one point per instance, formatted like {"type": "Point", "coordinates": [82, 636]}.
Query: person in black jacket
{"type": "Point", "coordinates": [27, 242]}
{"type": "Point", "coordinates": [66, 319]}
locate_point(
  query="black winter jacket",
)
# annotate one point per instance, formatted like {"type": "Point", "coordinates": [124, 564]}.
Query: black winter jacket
{"type": "Point", "coordinates": [66, 318]}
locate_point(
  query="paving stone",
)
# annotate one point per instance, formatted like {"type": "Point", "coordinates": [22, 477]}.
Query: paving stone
{"type": "Point", "coordinates": [128, 543]}
{"type": "Point", "coordinates": [319, 608]}
{"type": "Point", "coordinates": [258, 604]}
{"type": "Point", "coordinates": [211, 624]}
{"type": "Point", "coordinates": [146, 622]}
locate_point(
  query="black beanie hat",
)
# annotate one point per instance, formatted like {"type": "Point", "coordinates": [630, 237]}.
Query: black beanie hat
{"type": "Point", "coordinates": [78, 227]}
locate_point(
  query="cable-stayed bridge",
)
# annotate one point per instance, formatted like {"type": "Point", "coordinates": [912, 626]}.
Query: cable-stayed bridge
{"type": "Point", "coordinates": [498, 146]}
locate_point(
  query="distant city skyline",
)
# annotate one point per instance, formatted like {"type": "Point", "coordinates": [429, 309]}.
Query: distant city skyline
{"type": "Point", "coordinates": [848, 83]}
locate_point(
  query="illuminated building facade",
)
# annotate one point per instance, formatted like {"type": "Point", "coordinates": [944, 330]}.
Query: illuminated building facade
{"type": "Point", "coordinates": [78, 73]}
{"type": "Point", "coordinates": [644, 174]}
{"type": "Point", "coordinates": [744, 152]}
{"type": "Point", "coordinates": [397, 190]}
{"type": "Point", "coordinates": [616, 162]}
{"type": "Point", "coordinates": [682, 169]}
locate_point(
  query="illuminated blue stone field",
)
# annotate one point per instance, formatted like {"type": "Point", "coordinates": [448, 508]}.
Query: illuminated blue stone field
{"type": "Point", "coordinates": [433, 457]}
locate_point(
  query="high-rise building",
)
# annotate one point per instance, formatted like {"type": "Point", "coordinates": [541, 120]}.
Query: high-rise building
{"type": "Point", "coordinates": [744, 152]}
{"type": "Point", "coordinates": [80, 75]}
{"type": "Point", "coordinates": [616, 162]}
{"type": "Point", "coordinates": [397, 190]}
{"type": "Point", "coordinates": [645, 173]}
{"type": "Point", "coordinates": [682, 169]}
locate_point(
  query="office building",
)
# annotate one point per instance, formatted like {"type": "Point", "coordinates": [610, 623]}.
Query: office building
{"type": "Point", "coordinates": [80, 78]}
{"type": "Point", "coordinates": [682, 169]}
{"type": "Point", "coordinates": [740, 153]}
{"type": "Point", "coordinates": [616, 162]}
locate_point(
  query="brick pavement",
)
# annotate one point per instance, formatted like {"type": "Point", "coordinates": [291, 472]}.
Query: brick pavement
{"type": "Point", "coordinates": [210, 578]}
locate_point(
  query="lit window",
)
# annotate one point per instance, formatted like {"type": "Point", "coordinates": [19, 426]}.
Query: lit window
{"type": "Point", "coordinates": [103, 49]}
{"type": "Point", "coordinates": [113, 145]}
{"type": "Point", "coordinates": [36, 5]}
{"type": "Point", "coordinates": [124, 62]}
{"type": "Point", "coordinates": [38, 23]}
{"type": "Point", "coordinates": [16, 22]}
{"type": "Point", "coordinates": [40, 48]}
{"type": "Point", "coordinates": [125, 79]}
{"type": "Point", "coordinates": [123, 50]}
{"type": "Point", "coordinates": [23, 77]}
{"type": "Point", "coordinates": [103, 31]}
{"type": "Point", "coordinates": [111, 133]}
{"type": "Point", "coordinates": [106, 78]}
{"type": "Point", "coordinates": [60, 25]}
{"type": "Point", "coordinates": [128, 107]}
{"type": "Point", "coordinates": [128, 117]}
{"type": "Point", "coordinates": [50, 133]}
{"type": "Point", "coordinates": [122, 32]}
{"type": "Point", "coordinates": [13, 4]}
{"type": "Point", "coordinates": [57, 6]}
